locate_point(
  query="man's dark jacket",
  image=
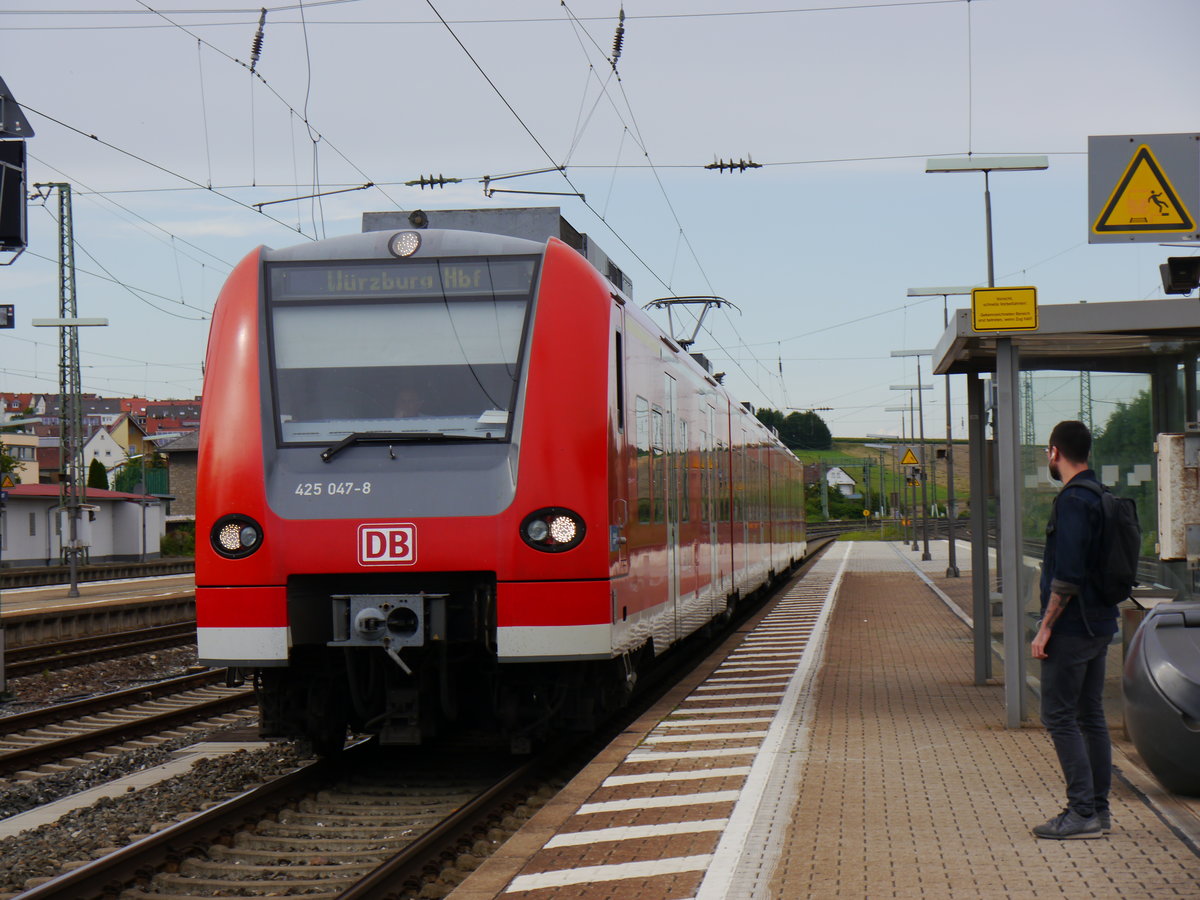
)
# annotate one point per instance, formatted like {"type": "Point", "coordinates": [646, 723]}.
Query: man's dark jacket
{"type": "Point", "coordinates": [1072, 552]}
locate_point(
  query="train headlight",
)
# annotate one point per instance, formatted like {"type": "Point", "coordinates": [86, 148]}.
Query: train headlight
{"type": "Point", "coordinates": [236, 536]}
{"type": "Point", "coordinates": [406, 243]}
{"type": "Point", "coordinates": [552, 529]}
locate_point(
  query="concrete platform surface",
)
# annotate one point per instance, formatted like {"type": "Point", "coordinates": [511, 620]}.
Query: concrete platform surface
{"type": "Point", "coordinates": [840, 749]}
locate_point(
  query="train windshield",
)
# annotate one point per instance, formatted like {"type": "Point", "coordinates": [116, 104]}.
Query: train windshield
{"type": "Point", "coordinates": [420, 347]}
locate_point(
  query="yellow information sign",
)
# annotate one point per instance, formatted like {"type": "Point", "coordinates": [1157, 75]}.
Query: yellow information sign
{"type": "Point", "coordinates": [910, 458]}
{"type": "Point", "coordinates": [1004, 309]}
{"type": "Point", "coordinates": [1143, 201]}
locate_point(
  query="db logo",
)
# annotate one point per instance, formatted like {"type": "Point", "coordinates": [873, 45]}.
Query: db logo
{"type": "Point", "coordinates": [387, 545]}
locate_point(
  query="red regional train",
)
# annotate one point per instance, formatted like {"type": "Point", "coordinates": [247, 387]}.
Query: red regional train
{"type": "Point", "coordinates": [456, 477]}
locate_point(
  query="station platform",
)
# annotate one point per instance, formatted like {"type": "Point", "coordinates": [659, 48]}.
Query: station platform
{"type": "Point", "coordinates": [837, 747]}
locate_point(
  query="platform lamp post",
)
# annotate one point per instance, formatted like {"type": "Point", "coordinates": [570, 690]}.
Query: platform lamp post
{"type": "Point", "coordinates": [888, 438]}
{"type": "Point", "coordinates": [917, 388]}
{"type": "Point", "coordinates": [904, 492]}
{"type": "Point", "coordinates": [927, 465]}
{"type": "Point", "coordinates": [1007, 365]}
{"type": "Point", "coordinates": [951, 500]}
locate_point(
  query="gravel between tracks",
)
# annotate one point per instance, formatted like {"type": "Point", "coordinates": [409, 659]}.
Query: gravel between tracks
{"type": "Point", "coordinates": [88, 833]}
{"type": "Point", "coordinates": [62, 685]}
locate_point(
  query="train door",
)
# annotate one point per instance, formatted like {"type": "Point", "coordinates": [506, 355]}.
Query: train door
{"type": "Point", "coordinates": [671, 495]}
{"type": "Point", "coordinates": [619, 461]}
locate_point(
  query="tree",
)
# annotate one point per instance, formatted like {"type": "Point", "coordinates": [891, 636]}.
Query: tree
{"type": "Point", "coordinates": [97, 476]}
{"type": "Point", "coordinates": [9, 465]}
{"type": "Point", "coordinates": [798, 430]}
{"type": "Point", "coordinates": [1127, 436]}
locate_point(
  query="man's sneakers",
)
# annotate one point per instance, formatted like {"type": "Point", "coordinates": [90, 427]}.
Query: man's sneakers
{"type": "Point", "coordinates": [1105, 821]}
{"type": "Point", "coordinates": [1069, 826]}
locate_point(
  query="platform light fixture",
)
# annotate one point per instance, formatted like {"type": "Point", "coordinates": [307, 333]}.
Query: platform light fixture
{"type": "Point", "coordinates": [987, 165]}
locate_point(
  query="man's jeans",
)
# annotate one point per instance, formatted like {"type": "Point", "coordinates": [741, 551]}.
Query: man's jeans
{"type": "Point", "coordinates": [1073, 713]}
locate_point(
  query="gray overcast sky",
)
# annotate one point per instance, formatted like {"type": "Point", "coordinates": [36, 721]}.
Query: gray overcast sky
{"type": "Point", "coordinates": [841, 101]}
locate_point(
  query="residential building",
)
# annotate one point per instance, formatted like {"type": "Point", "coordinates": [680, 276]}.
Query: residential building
{"type": "Point", "coordinates": [181, 455]}
{"type": "Point", "coordinates": [116, 527]}
{"type": "Point", "coordinates": [23, 447]}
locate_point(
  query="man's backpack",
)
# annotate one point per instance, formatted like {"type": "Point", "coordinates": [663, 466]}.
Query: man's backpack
{"type": "Point", "coordinates": [1120, 545]}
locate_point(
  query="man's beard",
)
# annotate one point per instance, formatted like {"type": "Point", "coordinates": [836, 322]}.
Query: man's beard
{"type": "Point", "coordinates": [1054, 473]}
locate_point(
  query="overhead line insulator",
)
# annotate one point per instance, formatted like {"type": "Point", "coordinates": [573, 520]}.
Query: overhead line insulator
{"type": "Point", "coordinates": [256, 45]}
{"type": "Point", "coordinates": [432, 182]}
{"type": "Point", "coordinates": [741, 165]}
{"type": "Point", "coordinates": [618, 38]}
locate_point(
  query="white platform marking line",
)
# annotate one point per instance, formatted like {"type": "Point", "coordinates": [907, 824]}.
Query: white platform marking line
{"type": "Point", "coordinates": [663, 755]}
{"type": "Point", "coordinates": [710, 697]}
{"type": "Point", "coordinates": [742, 684]}
{"type": "Point", "coordinates": [634, 832]}
{"type": "Point", "coordinates": [612, 872]}
{"type": "Point", "coordinates": [705, 723]}
{"type": "Point", "coordinates": [689, 775]}
{"type": "Point", "coordinates": [720, 710]}
{"type": "Point", "coordinates": [719, 877]}
{"type": "Point", "coordinates": [658, 802]}
{"type": "Point", "coordinates": [704, 736]}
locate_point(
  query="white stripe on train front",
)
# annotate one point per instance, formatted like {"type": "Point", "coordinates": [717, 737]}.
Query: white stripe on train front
{"type": "Point", "coordinates": [524, 643]}
{"type": "Point", "coordinates": [266, 646]}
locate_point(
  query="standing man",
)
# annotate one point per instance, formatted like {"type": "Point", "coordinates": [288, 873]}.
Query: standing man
{"type": "Point", "coordinates": [1072, 640]}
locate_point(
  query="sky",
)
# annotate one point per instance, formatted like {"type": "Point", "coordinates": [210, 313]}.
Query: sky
{"type": "Point", "coordinates": [149, 111]}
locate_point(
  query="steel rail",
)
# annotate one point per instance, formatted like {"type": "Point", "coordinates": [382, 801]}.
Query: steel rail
{"type": "Point", "coordinates": [409, 865]}
{"type": "Point", "coordinates": [49, 715]}
{"type": "Point", "coordinates": [72, 745]}
{"type": "Point", "coordinates": [77, 651]}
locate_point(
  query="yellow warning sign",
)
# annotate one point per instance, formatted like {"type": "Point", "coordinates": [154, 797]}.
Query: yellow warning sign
{"type": "Point", "coordinates": [1004, 309]}
{"type": "Point", "coordinates": [1143, 201]}
{"type": "Point", "coordinates": [7, 481]}
{"type": "Point", "coordinates": [910, 458]}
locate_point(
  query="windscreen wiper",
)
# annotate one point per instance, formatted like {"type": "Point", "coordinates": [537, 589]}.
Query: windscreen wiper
{"type": "Point", "coordinates": [395, 437]}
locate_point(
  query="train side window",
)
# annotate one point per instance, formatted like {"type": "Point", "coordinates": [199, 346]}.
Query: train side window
{"type": "Point", "coordinates": [642, 426]}
{"type": "Point", "coordinates": [619, 350]}
{"type": "Point", "coordinates": [33, 524]}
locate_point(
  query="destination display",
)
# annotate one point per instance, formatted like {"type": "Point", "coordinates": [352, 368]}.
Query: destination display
{"type": "Point", "coordinates": [509, 275]}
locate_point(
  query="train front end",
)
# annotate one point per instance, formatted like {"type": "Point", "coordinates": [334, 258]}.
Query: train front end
{"type": "Point", "coordinates": [374, 506]}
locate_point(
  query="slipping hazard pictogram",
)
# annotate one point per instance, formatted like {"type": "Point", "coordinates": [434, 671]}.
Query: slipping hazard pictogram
{"type": "Point", "coordinates": [1143, 201]}
{"type": "Point", "coordinates": [910, 458]}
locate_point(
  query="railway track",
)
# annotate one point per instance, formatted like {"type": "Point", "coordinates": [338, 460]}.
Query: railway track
{"type": "Point", "coordinates": [66, 731]}
{"type": "Point", "coordinates": [361, 826]}
{"type": "Point", "coordinates": [43, 657]}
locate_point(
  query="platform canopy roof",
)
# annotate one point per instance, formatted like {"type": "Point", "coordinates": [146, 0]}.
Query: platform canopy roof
{"type": "Point", "coordinates": [1124, 336]}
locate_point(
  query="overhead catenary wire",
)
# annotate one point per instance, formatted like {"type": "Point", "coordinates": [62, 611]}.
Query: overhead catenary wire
{"type": "Point", "coordinates": [161, 168]}
{"type": "Point", "coordinates": [89, 192]}
{"type": "Point", "coordinates": [638, 139]}
{"type": "Point", "coordinates": [108, 276]}
{"type": "Point", "coordinates": [304, 116]}
{"type": "Point", "coordinates": [513, 20]}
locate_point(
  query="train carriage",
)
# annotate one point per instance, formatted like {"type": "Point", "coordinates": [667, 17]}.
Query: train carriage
{"type": "Point", "coordinates": [456, 477]}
